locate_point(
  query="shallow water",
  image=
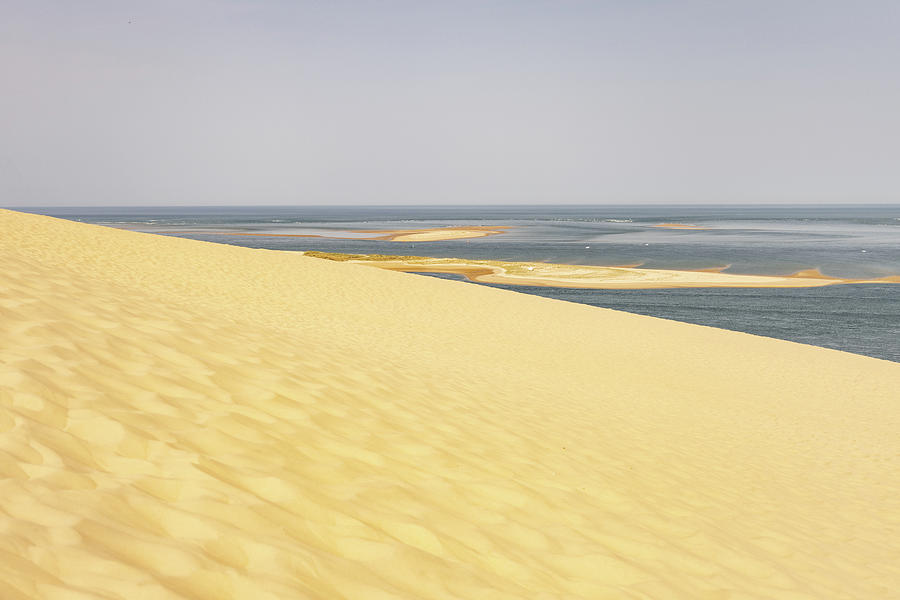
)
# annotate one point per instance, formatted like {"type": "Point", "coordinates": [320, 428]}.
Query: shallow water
{"type": "Point", "coordinates": [858, 242]}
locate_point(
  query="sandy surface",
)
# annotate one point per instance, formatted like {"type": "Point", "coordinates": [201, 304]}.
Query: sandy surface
{"type": "Point", "coordinates": [587, 276]}
{"type": "Point", "coordinates": [183, 419]}
{"type": "Point", "coordinates": [437, 234]}
{"type": "Point", "coordinates": [433, 234]}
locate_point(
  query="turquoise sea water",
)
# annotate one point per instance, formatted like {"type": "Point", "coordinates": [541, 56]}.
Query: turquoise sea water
{"type": "Point", "coordinates": [843, 241]}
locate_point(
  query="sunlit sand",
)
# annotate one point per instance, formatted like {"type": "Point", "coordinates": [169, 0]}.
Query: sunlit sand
{"type": "Point", "coordinates": [437, 234]}
{"type": "Point", "coordinates": [588, 276]}
{"type": "Point", "coordinates": [183, 419]}
{"type": "Point", "coordinates": [428, 234]}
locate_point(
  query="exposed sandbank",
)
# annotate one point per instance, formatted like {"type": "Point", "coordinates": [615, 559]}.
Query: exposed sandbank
{"type": "Point", "coordinates": [183, 419]}
{"type": "Point", "coordinates": [587, 276]}
{"type": "Point", "coordinates": [432, 234]}
{"type": "Point", "coordinates": [436, 234]}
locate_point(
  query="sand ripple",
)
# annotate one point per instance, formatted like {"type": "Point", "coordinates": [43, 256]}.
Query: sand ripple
{"type": "Point", "coordinates": [186, 420]}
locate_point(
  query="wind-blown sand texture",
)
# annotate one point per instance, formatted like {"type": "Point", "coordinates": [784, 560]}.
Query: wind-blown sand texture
{"type": "Point", "coordinates": [586, 276]}
{"type": "Point", "coordinates": [183, 419]}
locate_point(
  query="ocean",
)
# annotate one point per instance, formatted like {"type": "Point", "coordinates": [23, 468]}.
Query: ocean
{"type": "Point", "coordinates": [848, 241]}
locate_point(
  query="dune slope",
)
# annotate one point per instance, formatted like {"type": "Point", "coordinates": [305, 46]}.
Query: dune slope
{"type": "Point", "coordinates": [180, 419]}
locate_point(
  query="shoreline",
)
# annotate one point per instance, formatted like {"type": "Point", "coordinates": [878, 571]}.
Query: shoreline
{"type": "Point", "coordinates": [427, 234]}
{"type": "Point", "coordinates": [590, 276]}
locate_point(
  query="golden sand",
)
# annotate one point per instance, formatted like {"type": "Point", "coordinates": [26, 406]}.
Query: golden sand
{"type": "Point", "coordinates": [588, 276]}
{"type": "Point", "coordinates": [437, 234]}
{"type": "Point", "coordinates": [432, 234]}
{"type": "Point", "coordinates": [183, 419]}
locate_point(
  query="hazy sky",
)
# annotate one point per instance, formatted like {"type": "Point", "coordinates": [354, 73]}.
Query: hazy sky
{"type": "Point", "coordinates": [393, 102]}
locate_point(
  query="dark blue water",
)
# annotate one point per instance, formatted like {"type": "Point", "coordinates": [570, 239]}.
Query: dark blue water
{"type": "Point", "coordinates": [852, 241]}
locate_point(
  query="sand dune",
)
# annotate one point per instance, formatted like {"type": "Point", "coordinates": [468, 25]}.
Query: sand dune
{"type": "Point", "coordinates": [183, 419]}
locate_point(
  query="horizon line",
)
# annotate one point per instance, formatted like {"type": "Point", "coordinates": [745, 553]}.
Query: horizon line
{"type": "Point", "coordinates": [577, 204]}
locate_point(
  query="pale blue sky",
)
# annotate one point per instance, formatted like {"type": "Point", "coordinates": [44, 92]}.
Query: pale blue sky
{"type": "Point", "coordinates": [390, 102]}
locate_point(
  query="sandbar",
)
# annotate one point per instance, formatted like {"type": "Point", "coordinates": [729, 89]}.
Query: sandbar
{"type": "Point", "coordinates": [588, 276]}
{"type": "Point", "coordinates": [436, 234]}
{"type": "Point", "coordinates": [430, 234]}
